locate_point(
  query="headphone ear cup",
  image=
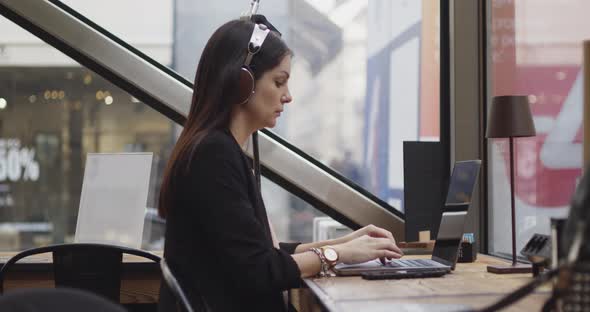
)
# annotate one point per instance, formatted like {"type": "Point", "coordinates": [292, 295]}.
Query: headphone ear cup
{"type": "Point", "coordinates": [246, 85]}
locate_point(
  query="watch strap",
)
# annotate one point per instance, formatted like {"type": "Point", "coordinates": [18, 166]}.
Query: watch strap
{"type": "Point", "coordinates": [325, 267]}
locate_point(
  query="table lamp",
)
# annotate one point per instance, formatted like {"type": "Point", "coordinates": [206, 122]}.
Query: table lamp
{"type": "Point", "coordinates": [510, 117]}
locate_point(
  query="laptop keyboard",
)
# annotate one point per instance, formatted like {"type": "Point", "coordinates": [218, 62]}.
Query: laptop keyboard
{"type": "Point", "coordinates": [412, 263]}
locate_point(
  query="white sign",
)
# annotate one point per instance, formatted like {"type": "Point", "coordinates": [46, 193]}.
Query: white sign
{"type": "Point", "coordinates": [114, 197]}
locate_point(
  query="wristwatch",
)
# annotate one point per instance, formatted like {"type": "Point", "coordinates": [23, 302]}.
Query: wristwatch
{"type": "Point", "coordinates": [328, 258]}
{"type": "Point", "coordinates": [330, 254]}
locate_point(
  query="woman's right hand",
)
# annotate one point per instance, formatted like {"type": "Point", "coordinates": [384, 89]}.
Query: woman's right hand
{"type": "Point", "coordinates": [366, 248]}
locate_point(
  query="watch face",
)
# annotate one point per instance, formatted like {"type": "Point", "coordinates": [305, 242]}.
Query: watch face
{"type": "Point", "coordinates": [330, 254]}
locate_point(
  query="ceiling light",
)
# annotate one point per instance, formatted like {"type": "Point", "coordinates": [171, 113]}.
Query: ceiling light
{"type": "Point", "coordinates": [87, 79]}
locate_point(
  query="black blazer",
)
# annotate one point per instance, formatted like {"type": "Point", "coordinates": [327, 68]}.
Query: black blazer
{"type": "Point", "coordinates": [218, 241]}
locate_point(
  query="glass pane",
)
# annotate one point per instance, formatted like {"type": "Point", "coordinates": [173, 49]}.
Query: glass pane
{"type": "Point", "coordinates": [365, 74]}
{"type": "Point", "coordinates": [538, 53]}
{"type": "Point", "coordinates": [365, 78]}
{"type": "Point", "coordinates": [52, 113]}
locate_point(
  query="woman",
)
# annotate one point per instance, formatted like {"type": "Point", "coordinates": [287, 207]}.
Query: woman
{"type": "Point", "coordinates": [219, 242]}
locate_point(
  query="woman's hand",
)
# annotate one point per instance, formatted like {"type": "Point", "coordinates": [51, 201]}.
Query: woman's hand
{"type": "Point", "coordinates": [369, 230]}
{"type": "Point", "coordinates": [365, 248]}
{"type": "Point", "coordinates": [372, 231]}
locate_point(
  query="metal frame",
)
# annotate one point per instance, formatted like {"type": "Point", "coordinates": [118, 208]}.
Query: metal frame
{"type": "Point", "coordinates": [445, 86]}
{"type": "Point", "coordinates": [163, 90]}
{"type": "Point", "coordinates": [467, 98]}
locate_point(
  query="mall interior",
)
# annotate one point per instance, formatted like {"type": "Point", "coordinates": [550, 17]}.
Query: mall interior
{"type": "Point", "coordinates": [390, 99]}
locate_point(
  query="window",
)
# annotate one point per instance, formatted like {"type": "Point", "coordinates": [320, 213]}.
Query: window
{"type": "Point", "coordinates": [536, 52]}
{"type": "Point", "coordinates": [365, 78]}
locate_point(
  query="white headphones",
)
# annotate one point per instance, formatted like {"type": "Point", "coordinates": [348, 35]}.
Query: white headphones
{"type": "Point", "coordinates": [247, 81]}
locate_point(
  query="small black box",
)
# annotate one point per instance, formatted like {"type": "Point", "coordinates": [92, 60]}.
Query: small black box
{"type": "Point", "coordinates": [467, 252]}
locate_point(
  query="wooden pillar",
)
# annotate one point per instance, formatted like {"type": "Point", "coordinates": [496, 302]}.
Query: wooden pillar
{"type": "Point", "coordinates": [586, 104]}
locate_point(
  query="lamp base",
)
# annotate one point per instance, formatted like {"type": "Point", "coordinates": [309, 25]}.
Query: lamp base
{"type": "Point", "coordinates": [510, 269]}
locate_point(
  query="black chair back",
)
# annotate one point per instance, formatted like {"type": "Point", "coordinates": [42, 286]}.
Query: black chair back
{"type": "Point", "coordinates": [58, 299]}
{"type": "Point", "coordinates": [174, 286]}
{"type": "Point", "coordinates": [92, 267]}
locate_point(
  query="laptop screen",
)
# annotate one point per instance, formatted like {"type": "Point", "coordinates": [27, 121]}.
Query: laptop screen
{"type": "Point", "coordinates": [450, 232]}
{"type": "Point", "coordinates": [462, 182]}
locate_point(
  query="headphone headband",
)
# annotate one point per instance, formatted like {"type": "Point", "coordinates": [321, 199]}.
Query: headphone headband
{"type": "Point", "coordinates": [259, 34]}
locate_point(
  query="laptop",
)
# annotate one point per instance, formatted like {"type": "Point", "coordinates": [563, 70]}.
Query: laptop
{"type": "Point", "coordinates": [450, 232]}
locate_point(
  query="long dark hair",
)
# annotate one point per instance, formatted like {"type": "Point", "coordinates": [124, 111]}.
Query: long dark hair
{"type": "Point", "coordinates": [215, 94]}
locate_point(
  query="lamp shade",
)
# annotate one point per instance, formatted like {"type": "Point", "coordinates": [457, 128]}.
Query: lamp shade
{"type": "Point", "coordinates": [510, 116]}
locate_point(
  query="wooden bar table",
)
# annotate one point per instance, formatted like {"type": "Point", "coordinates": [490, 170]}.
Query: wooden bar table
{"type": "Point", "coordinates": [469, 285]}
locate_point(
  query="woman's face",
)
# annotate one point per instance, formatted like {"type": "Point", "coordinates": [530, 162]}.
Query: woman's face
{"type": "Point", "coordinates": [270, 95]}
